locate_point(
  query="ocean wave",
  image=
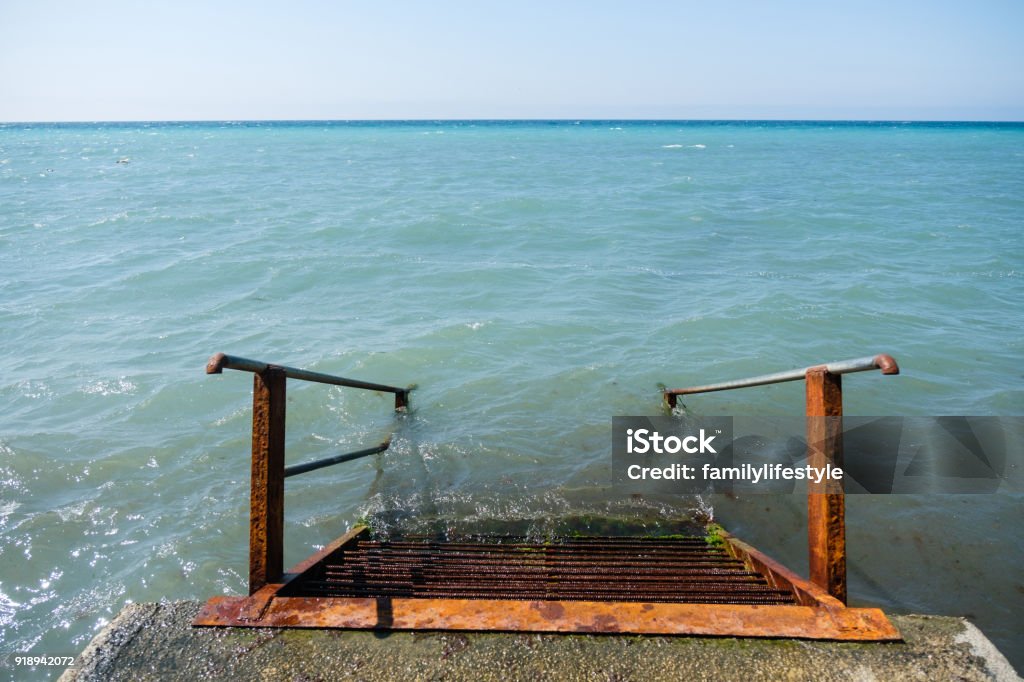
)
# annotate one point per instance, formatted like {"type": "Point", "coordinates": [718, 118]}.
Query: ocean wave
{"type": "Point", "coordinates": [8, 607]}
{"type": "Point", "coordinates": [119, 386]}
{"type": "Point", "coordinates": [6, 509]}
{"type": "Point", "coordinates": [120, 215]}
{"type": "Point", "coordinates": [35, 389]}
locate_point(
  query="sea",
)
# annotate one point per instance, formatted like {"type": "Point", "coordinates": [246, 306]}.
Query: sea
{"type": "Point", "coordinates": [533, 279]}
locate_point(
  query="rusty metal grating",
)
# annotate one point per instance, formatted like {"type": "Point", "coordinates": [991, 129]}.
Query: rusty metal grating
{"type": "Point", "coordinates": [672, 586]}
{"type": "Point", "coordinates": [672, 570]}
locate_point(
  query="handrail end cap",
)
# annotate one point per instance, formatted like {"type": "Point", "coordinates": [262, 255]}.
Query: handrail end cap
{"type": "Point", "coordinates": [887, 364]}
{"type": "Point", "coordinates": [216, 364]}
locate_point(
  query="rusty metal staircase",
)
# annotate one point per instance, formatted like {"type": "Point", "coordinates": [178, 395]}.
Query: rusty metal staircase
{"type": "Point", "coordinates": [711, 584]}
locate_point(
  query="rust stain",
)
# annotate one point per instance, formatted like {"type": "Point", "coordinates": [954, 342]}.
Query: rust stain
{"type": "Point", "coordinates": [605, 622]}
{"type": "Point", "coordinates": [551, 610]}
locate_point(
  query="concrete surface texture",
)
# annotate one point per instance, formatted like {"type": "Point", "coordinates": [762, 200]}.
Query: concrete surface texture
{"type": "Point", "coordinates": [158, 642]}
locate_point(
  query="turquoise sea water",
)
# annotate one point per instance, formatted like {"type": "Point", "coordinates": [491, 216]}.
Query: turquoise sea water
{"type": "Point", "coordinates": [534, 279]}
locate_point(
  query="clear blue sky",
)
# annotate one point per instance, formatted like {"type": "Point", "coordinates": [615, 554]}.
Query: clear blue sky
{"type": "Point", "coordinates": [190, 59]}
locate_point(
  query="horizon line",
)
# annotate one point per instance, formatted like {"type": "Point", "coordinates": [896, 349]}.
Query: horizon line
{"type": "Point", "coordinates": [512, 120]}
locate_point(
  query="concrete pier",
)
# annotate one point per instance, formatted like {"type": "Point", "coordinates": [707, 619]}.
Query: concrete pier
{"type": "Point", "coordinates": [158, 642]}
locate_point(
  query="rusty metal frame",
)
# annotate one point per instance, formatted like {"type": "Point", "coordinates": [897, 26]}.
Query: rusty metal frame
{"type": "Point", "coordinates": [818, 615]}
{"type": "Point", "coordinates": [820, 612]}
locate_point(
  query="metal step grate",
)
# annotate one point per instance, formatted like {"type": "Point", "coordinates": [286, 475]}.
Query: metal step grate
{"type": "Point", "coordinates": [669, 570]}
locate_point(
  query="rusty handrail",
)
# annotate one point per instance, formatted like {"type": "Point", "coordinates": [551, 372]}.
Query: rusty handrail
{"type": "Point", "coordinates": [266, 488]}
{"type": "Point", "coordinates": [221, 361]}
{"type": "Point", "coordinates": [882, 361]}
{"type": "Point", "coordinates": [297, 469]}
{"type": "Point", "coordinates": [826, 506]}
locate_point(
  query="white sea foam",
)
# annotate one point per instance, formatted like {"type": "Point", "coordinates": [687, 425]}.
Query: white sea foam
{"type": "Point", "coordinates": [671, 146]}
{"type": "Point", "coordinates": [8, 607]}
{"type": "Point", "coordinates": [31, 388]}
{"type": "Point", "coordinates": [6, 509]}
{"type": "Point", "coordinates": [119, 386]}
{"type": "Point", "coordinates": [71, 511]}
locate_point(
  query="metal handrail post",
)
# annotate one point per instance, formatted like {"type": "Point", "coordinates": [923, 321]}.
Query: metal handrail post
{"type": "Point", "coordinates": [266, 492]}
{"type": "Point", "coordinates": [826, 505]}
